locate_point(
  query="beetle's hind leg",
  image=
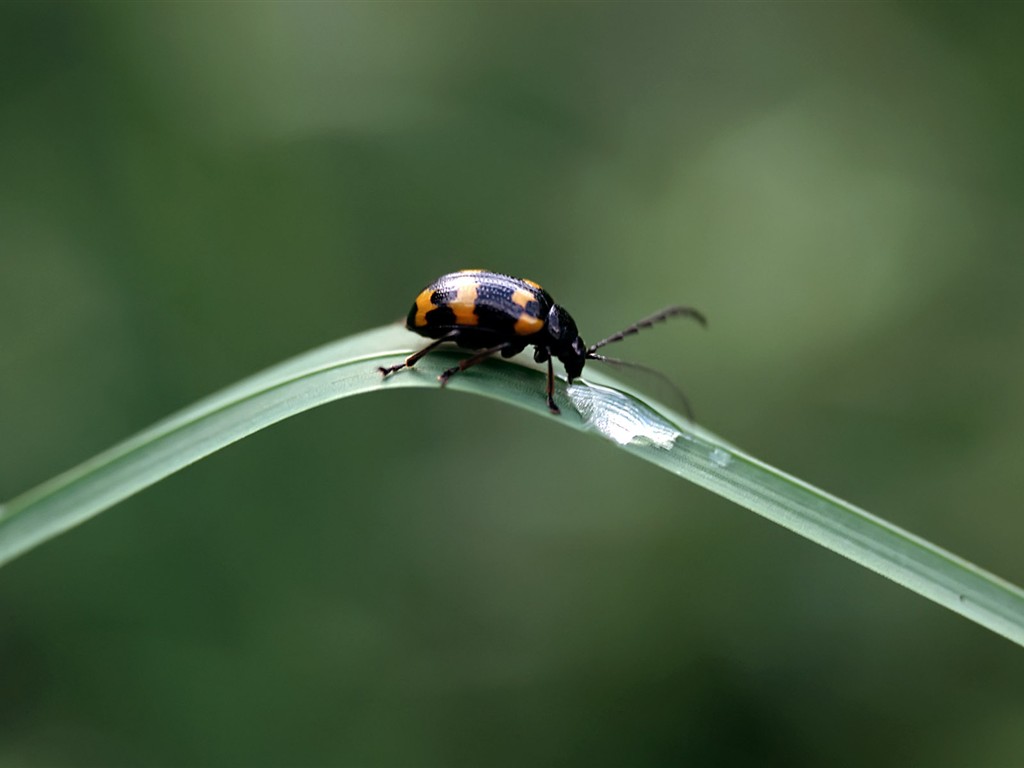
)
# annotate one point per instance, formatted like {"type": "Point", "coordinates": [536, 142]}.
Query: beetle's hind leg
{"type": "Point", "coordinates": [469, 362]}
{"type": "Point", "coordinates": [410, 361]}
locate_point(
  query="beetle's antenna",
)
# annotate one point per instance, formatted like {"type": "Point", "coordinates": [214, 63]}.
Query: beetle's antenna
{"type": "Point", "coordinates": [672, 385]}
{"type": "Point", "coordinates": [665, 314]}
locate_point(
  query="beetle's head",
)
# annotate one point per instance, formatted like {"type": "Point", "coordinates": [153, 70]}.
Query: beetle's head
{"type": "Point", "coordinates": [565, 342]}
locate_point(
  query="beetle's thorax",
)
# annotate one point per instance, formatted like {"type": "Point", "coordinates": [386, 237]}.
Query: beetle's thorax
{"type": "Point", "coordinates": [565, 342]}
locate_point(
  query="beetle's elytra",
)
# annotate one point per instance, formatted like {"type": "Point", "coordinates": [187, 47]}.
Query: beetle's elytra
{"type": "Point", "coordinates": [492, 313]}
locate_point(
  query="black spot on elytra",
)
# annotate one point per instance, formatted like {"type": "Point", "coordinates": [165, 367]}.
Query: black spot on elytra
{"type": "Point", "coordinates": [441, 317]}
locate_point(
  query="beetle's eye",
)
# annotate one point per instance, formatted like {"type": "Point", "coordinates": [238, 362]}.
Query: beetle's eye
{"type": "Point", "coordinates": [578, 347]}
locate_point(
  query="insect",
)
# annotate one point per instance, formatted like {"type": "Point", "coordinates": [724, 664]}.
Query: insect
{"type": "Point", "coordinates": [492, 313]}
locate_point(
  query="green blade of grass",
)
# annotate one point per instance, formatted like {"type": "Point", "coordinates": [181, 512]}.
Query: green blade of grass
{"type": "Point", "coordinates": [349, 367]}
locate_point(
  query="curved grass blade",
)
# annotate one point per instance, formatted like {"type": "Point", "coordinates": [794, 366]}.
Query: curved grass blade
{"type": "Point", "coordinates": [349, 367]}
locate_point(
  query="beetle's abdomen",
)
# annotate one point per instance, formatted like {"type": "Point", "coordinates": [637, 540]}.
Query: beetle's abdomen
{"type": "Point", "coordinates": [484, 303]}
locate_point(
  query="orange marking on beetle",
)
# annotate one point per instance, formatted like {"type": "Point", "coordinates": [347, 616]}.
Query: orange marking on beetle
{"type": "Point", "coordinates": [464, 303]}
{"type": "Point", "coordinates": [423, 305]}
{"type": "Point", "coordinates": [527, 324]}
{"type": "Point", "coordinates": [530, 282]}
{"type": "Point", "coordinates": [522, 298]}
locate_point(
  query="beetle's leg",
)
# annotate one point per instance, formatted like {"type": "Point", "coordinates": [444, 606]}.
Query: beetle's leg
{"type": "Point", "coordinates": [551, 389]}
{"type": "Point", "coordinates": [410, 361]}
{"type": "Point", "coordinates": [469, 362]}
{"type": "Point", "coordinates": [511, 350]}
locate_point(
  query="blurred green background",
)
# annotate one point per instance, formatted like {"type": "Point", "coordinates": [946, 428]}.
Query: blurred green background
{"type": "Point", "coordinates": [192, 192]}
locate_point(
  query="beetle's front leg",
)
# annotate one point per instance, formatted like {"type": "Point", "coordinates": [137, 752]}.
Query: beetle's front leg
{"type": "Point", "coordinates": [551, 388]}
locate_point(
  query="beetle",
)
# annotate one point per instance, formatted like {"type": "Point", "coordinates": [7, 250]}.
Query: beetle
{"type": "Point", "coordinates": [491, 313]}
